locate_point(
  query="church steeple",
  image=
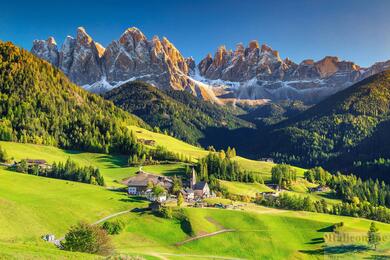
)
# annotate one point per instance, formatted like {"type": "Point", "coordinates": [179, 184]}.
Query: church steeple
{"type": "Point", "coordinates": [193, 178]}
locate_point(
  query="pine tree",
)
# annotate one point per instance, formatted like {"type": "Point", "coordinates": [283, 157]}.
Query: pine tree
{"type": "Point", "coordinates": [373, 235]}
{"type": "Point", "coordinates": [180, 199]}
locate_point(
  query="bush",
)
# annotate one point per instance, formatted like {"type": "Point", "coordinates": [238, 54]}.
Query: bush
{"type": "Point", "coordinates": [3, 155]}
{"type": "Point", "coordinates": [114, 227]}
{"type": "Point", "coordinates": [166, 212]}
{"type": "Point", "coordinates": [87, 238]}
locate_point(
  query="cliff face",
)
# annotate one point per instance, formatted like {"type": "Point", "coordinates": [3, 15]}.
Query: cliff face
{"type": "Point", "coordinates": [251, 72]}
{"type": "Point", "coordinates": [132, 57]}
{"type": "Point", "coordinates": [256, 72]}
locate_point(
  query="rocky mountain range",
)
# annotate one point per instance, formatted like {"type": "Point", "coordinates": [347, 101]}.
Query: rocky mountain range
{"type": "Point", "coordinates": [255, 72]}
{"type": "Point", "coordinates": [247, 73]}
{"type": "Point", "coordinates": [132, 57]}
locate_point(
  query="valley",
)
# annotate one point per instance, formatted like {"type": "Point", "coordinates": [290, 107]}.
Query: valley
{"type": "Point", "coordinates": [262, 230]}
{"type": "Point", "coordinates": [130, 149]}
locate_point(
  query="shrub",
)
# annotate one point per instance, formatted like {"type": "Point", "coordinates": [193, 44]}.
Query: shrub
{"type": "Point", "coordinates": [113, 227]}
{"type": "Point", "coordinates": [166, 212]}
{"type": "Point", "coordinates": [87, 238]}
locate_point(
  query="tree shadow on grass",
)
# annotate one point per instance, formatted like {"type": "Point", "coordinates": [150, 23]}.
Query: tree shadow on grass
{"type": "Point", "coordinates": [378, 257]}
{"type": "Point", "coordinates": [315, 241]}
{"type": "Point", "coordinates": [336, 250]}
{"type": "Point", "coordinates": [326, 229]}
{"type": "Point", "coordinates": [328, 195]}
{"type": "Point", "coordinates": [133, 199]}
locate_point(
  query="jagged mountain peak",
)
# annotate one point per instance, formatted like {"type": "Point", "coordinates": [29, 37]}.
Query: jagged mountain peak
{"type": "Point", "coordinates": [51, 41]}
{"type": "Point", "coordinates": [132, 33]}
{"type": "Point", "coordinates": [82, 36]}
{"type": "Point", "coordinates": [131, 57]}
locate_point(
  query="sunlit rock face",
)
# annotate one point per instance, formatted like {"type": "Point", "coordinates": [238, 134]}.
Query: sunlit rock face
{"type": "Point", "coordinates": [131, 57]}
{"type": "Point", "coordinates": [248, 72]}
{"type": "Point", "coordinates": [256, 72]}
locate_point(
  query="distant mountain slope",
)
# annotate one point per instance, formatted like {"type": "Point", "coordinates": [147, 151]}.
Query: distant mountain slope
{"type": "Point", "coordinates": [352, 125]}
{"type": "Point", "coordinates": [176, 112]}
{"type": "Point", "coordinates": [38, 104]}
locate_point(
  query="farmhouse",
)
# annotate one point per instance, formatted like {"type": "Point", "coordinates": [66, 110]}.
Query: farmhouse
{"type": "Point", "coordinates": [188, 194]}
{"type": "Point", "coordinates": [141, 182]}
{"type": "Point", "coordinates": [270, 160]}
{"type": "Point", "coordinates": [42, 164]}
{"type": "Point", "coordinates": [270, 195]}
{"type": "Point", "coordinates": [147, 142]}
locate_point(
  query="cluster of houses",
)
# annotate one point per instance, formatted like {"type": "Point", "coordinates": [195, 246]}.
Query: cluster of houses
{"type": "Point", "coordinates": [141, 184]}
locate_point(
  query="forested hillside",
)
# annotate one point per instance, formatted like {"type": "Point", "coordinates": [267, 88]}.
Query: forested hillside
{"type": "Point", "coordinates": [177, 112]}
{"type": "Point", "coordinates": [38, 104]}
{"type": "Point", "coordinates": [345, 130]}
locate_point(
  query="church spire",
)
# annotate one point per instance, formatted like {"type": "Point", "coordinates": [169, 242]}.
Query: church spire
{"type": "Point", "coordinates": [193, 178]}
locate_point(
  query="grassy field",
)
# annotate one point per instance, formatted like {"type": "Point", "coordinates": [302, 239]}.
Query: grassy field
{"type": "Point", "coordinates": [248, 189]}
{"type": "Point", "coordinates": [259, 233]}
{"type": "Point", "coordinates": [32, 206]}
{"type": "Point", "coordinates": [178, 146]}
{"type": "Point", "coordinates": [114, 167]}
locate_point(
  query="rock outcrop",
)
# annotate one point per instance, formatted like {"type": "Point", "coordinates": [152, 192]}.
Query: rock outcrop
{"type": "Point", "coordinates": [132, 57]}
{"type": "Point", "coordinates": [252, 72]}
{"type": "Point", "coordinates": [258, 72]}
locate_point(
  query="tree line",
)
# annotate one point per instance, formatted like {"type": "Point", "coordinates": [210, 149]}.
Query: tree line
{"type": "Point", "coordinates": [64, 171]}
{"type": "Point", "coordinates": [223, 167]}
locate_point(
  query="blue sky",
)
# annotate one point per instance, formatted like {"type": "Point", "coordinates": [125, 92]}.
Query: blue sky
{"type": "Point", "coordinates": [353, 30]}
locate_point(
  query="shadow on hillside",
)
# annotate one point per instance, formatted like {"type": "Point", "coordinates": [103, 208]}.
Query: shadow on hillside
{"type": "Point", "coordinates": [328, 195]}
{"type": "Point", "coordinates": [243, 139]}
{"type": "Point", "coordinates": [326, 229]}
{"type": "Point", "coordinates": [316, 241]}
{"type": "Point", "coordinates": [133, 199]}
{"type": "Point", "coordinates": [113, 161]}
{"type": "Point", "coordinates": [173, 172]}
{"type": "Point", "coordinates": [336, 250]}
{"type": "Point", "coordinates": [378, 257]}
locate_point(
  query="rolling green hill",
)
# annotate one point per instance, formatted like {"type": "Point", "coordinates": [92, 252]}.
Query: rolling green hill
{"type": "Point", "coordinates": [38, 104]}
{"type": "Point", "coordinates": [346, 127]}
{"type": "Point", "coordinates": [31, 206]}
{"type": "Point", "coordinates": [176, 112]}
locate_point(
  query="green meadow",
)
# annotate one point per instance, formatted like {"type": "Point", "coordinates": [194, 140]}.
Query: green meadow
{"type": "Point", "coordinates": [32, 206]}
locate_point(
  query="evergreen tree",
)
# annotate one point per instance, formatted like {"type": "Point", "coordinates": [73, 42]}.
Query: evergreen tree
{"type": "Point", "coordinates": [180, 199]}
{"type": "Point", "coordinates": [373, 236]}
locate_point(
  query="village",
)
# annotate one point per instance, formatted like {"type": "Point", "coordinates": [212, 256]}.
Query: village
{"type": "Point", "coordinates": [160, 189]}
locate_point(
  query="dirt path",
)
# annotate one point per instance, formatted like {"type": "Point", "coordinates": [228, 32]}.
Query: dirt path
{"type": "Point", "coordinates": [205, 235]}
{"type": "Point", "coordinates": [57, 241]}
{"type": "Point", "coordinates": [111, 216]}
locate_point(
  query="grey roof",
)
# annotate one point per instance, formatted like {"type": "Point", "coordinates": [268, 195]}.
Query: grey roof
{"type": "Point", "coordinates": [142, 179]}
{"type": "Point", "coordinates": [200, 185]}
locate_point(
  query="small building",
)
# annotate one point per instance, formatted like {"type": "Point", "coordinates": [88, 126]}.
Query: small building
{"type": "Point", "coordinates": [188, 194]}
{"type": "Point", "coordinates": [152, 197]}
{"type": "Point", "coordinates": [49, 238]}
{"type": "Point", "coordinates": [140, 183]}
{"type": "Point", "coordinates": [270, 195]}
{"type": "Point", "coordinates": [42, 164]}
{"type": "Point", "coordinates": [275, 187]}
{"type": "Point", "coordinates": [147, 142]}
{"type": "Point", "coordinates": [319, 188]}
{"type": "Point", "coordinates": [270, 160]}
{"type": "Point", "coordinates": [201, 189]}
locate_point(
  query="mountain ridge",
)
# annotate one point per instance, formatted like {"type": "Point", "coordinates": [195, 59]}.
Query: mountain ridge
{"type": "Point", "coordinates": [253, 72]}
